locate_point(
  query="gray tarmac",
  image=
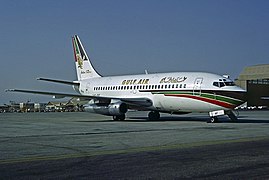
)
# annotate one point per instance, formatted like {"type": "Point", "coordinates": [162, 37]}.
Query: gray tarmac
{"type": "Point", "coordinates": [91, 146]}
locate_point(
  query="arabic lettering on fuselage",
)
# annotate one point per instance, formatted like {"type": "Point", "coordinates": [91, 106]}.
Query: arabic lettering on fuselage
{"type": "Point", "coordinates": [84, 72]}
{"type": "Point", "coordinates": [173, 79]}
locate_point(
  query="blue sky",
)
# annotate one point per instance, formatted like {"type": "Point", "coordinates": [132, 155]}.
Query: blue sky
{"type": "Point", "coordinates": [127, 37]}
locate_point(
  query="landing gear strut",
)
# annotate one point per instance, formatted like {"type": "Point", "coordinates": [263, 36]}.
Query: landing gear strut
{"type": "Point", "coordinates": [232, 116]}
{"type": "Point", "coordinates": [153, 115]}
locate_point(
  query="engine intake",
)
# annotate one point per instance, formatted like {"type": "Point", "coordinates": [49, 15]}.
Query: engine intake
{"type": "Point", "coordinates": [113, 109]}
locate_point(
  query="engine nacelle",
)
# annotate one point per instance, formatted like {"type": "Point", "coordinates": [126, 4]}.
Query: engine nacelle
{"type": "Point", "coordinates": [113, 109]}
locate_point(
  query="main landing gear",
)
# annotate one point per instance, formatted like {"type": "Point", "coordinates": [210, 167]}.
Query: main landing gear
{"type": "Point", "coordinates": [153, 115]}
{"type": "Point", "coordinates": [214, 116]}
{"type": "Point", "coordinates": [119, 117]}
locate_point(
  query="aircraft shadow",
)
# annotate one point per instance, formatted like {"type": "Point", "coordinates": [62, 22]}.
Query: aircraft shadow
{"type": "Point", "coordinates": [257, 121]}
{"type": "Point", "coordinates": [144, 119]}
{"type": "Point", "coordinates": [198, 119]}
{"type": "Point", "coordinates": [164, 119]}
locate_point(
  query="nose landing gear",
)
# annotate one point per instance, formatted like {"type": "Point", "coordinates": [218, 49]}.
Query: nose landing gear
{"type": "Point", "coordinates": [214, 115]}
{"type": "Point", "coordinates": [213, 120]}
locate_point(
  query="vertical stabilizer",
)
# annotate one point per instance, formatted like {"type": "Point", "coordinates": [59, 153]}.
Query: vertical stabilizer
{"type": "Point", "coordinates": [84, 67]}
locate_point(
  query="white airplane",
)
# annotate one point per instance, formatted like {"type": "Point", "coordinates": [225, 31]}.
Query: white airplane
{"type": "Point", "coordinates": [174, 93]}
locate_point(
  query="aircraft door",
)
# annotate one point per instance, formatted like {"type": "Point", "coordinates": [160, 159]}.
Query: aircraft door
{"type": "Point", "coordinates": [88, 87]}
{"type": "Point", "coordinates": [197, 86]}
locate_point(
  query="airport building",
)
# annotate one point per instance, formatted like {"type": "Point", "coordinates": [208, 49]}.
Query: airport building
{"type": "Point", "coordinates": [63, 106]}
{"type": "Point", "coordinates": [255, 79]}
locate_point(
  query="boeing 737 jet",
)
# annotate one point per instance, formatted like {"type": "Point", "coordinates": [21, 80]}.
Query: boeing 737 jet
{"type": "Point", "coordinates": [174, 93]}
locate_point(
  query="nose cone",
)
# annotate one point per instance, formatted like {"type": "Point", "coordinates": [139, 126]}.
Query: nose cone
{"type": "Point", "coordinates": [241, 95]}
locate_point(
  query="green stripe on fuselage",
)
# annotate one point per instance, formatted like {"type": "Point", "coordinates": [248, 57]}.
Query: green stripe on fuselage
{"type": "Point", "coordinates": [204, 95]}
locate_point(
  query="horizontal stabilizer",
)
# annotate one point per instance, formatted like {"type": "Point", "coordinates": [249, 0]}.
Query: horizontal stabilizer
{"type": "Point", "coordinates": [59, 81]}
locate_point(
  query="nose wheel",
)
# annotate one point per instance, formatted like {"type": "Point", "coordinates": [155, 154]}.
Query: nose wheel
{"type": "Point", "coordinates": [214, 115]}
{"type": "Point", "coordinates": [213, 120]}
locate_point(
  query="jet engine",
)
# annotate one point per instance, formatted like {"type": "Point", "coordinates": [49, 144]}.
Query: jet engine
{"type": "Point", "coordinates": [112, 109]}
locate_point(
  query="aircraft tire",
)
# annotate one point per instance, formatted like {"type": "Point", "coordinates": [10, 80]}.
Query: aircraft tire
{"type": "Point", "coordinates": [154, 115]}
{"type": "Point", "coordinates": [119, 117]}
{"type": "Point", "coordinates": [213, 120]}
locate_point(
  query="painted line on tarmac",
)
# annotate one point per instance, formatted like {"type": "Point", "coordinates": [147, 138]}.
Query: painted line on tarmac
{"type": "Point", "coordinates": [126, 151]}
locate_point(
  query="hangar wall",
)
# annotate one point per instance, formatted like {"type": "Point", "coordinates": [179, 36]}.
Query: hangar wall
{"type": "Point", "coordinates": [255, 79]}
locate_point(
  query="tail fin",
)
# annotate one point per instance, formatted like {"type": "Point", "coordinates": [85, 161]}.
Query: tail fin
{"type": "Point", "coordinates": [84, 67]}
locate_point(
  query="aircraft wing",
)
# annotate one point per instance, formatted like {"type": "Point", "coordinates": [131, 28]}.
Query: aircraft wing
{"type": "Point", "coordinates": [145, 102]}
{"type": "Point", "coordinates": [54, 94]}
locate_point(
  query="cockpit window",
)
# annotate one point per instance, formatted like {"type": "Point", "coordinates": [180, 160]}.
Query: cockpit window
{"type": "Point", "coordinates": [223, 82]}
{"type": "Point", "coordinates": [229, 83]}
{"type": "Point", "coordinates": [216, 84]}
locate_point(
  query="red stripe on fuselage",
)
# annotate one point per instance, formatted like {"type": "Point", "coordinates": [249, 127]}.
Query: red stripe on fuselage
{"type": "Point", "coordinates": [212, 101]}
